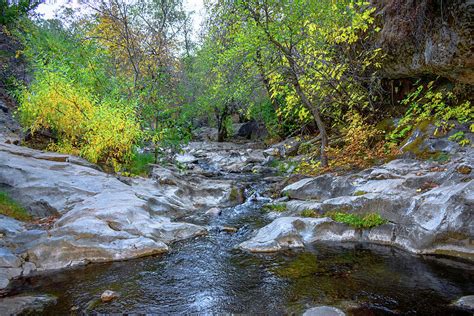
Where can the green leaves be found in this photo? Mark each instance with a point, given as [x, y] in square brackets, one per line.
[436, 105]
[73, 97]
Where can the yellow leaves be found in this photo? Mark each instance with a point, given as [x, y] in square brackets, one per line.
[96, 131]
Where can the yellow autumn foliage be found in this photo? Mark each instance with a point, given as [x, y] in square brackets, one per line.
[83, 125]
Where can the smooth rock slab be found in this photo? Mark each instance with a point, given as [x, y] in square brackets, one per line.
[465, 302]
[293, 232]
[102, 219]
[10, 226]
[25, 304]
[324, 311]
[428, 205]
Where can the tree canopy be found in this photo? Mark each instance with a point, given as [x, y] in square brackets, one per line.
[129, 74]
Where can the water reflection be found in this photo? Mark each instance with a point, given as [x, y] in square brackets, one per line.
[207, 275]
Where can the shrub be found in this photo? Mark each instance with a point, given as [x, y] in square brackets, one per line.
[427, 104]
[139, 165]
[361, 146]
[83, 124]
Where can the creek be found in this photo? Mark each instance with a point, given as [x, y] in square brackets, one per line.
[208, 275]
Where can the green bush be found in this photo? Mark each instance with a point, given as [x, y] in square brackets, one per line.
[139, 165]
[11, 11]
[74, 97]
[440, 106]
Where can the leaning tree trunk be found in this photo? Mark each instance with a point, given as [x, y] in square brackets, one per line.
[319, 123]
[314, 111]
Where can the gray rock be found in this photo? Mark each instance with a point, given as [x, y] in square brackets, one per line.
[286, 148]
[20, 304]
[225, 157]
[293, 232]
[7, 274]
[8, 259]
[108, 295]
[10, 266]
[10, 226]
[215, 211]
[322, 187]
[252, 130]
[465, 302]
[430, 44]
[428, 206]
[205, 134]
[324, 311]
[185, 158]
[103, 219]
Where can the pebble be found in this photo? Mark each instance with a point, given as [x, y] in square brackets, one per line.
[108, 296]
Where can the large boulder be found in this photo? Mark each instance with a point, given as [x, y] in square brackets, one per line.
[293, 232]
[101, 218]
[252, 130]
[286, 148]
[428, 207]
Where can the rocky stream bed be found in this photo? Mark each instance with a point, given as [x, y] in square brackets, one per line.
[198, 240]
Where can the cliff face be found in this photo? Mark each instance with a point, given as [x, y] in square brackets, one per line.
[427, 37]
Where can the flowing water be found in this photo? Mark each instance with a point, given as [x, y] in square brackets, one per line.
[208, 275]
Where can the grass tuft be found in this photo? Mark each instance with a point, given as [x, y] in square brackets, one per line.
[309, 213]
[367, 221]
[140, 164]
[9, 207]
[280, 208]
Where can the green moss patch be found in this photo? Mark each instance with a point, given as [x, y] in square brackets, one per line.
[357, 221]
[9, 207]
[309, 213]
[280, 208]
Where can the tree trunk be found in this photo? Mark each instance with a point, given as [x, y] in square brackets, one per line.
[221, 132]
[319, 122]
[314, 111]
[221, 117]
[266, 81]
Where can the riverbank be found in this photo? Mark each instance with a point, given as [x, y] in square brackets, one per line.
[205, 211]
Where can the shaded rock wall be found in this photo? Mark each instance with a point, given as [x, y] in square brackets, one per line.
[427, 37]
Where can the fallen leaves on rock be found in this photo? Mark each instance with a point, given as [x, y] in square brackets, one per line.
[428, 185]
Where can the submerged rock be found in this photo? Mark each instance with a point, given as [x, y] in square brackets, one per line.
[22, 304]
[108, 295]
[324, 311]
[465, 302]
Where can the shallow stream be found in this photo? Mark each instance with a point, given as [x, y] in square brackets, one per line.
[207, 275]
